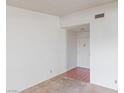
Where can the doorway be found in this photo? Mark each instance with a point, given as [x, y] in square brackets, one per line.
[78, 52]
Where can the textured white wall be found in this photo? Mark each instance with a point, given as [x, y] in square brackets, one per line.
[104, 49]
[35, 45]
[103, 42]
[71, 49]
[83, 49]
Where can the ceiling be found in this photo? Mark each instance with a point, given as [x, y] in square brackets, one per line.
[57, 7]
[84, 28]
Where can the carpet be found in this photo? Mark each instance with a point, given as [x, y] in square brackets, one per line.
[62, 84]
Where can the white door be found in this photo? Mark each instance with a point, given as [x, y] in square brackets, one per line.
[83, 43]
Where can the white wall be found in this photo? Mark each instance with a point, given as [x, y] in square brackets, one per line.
[103, 42]
[35, 45]
[71, 49]
[83, 49]
[77, 53]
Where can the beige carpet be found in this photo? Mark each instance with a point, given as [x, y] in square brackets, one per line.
[61, 84]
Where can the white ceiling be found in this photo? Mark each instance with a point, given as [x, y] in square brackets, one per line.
[84, 28]
[57, 7]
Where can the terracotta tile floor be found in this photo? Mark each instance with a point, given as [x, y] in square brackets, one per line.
[79, 73]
